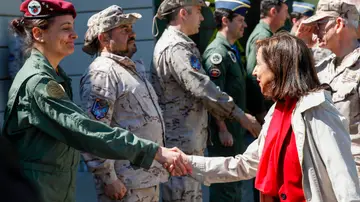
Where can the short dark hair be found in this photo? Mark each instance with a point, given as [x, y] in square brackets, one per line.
[266, 5]
[296, 15]
[23, 27]
[292, 64]
[174, 13]
[223, 12]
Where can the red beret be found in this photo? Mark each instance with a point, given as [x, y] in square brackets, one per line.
[46, 8]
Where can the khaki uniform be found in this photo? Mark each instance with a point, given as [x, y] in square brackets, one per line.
[344, 79]
[320, 54]
[186, 94]
[114, 93]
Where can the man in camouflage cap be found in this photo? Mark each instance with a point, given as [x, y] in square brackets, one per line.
[335, 24]
[113, 92]
[186, 93]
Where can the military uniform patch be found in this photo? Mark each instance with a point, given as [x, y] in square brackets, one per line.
[100, 108]
[195, 63]
[55, 90]
[232, 56]
[215, 58]
[215, 72]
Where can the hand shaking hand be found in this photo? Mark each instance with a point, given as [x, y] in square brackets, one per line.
[174, 160]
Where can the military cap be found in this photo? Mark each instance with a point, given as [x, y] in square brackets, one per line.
[103, 21]
[303, 8]
[334, 8]
[237, 6]
[38, 9]
[168, 6]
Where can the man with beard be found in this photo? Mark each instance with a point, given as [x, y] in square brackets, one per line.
[335, 25]
[139, 63]
[112, 91]
[186, 93]
[226, 70]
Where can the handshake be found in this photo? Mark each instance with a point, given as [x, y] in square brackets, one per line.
[174, 160]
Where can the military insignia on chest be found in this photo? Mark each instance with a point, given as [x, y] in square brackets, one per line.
[214, 72]
[216, 58]
[55, 90]
[232, 56]
[100, 108]
[195, 63]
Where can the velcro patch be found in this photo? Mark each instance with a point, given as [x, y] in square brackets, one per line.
[55, 90]
[232, 56]
[195, 63]
[100, 108]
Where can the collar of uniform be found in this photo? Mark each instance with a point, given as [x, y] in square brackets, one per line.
[46, 66]
[181, 35]
[349, 60]
[223, 40]
[123, 61]
[265, 26]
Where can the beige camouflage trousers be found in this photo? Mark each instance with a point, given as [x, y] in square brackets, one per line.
[185, 189]
[181, 189]
[150, 194]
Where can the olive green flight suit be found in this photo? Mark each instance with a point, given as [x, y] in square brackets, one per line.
[224, 69]
[48, 129]
[256, 103]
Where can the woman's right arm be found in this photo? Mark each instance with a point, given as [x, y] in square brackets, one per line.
[210, 170]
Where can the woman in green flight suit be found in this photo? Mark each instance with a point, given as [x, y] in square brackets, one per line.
[41, 121]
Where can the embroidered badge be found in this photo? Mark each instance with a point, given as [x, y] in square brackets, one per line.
[100, 108]
[34, 7]
[195, 63]
[55, 90]
[215, 58]
[215, 72]
[232, 56]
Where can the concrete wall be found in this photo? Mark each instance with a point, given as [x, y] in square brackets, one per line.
[8, 11]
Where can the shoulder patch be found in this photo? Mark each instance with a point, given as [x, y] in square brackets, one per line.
[232, 56]
[195, 63]
[55, 90]
[214, 72]
[100, 108]
[216, 58]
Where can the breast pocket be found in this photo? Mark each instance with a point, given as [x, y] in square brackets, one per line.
[129, 112]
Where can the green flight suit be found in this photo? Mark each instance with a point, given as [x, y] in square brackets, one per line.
[227, 72]
[256, 102]
[48, 129]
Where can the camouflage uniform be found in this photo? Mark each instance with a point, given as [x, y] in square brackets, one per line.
[320, 54]
[131, 103]
[342, 74]
[113, 92]
[186, 94]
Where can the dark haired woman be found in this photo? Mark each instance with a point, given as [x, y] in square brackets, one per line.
[303, 151]
[41, 121]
